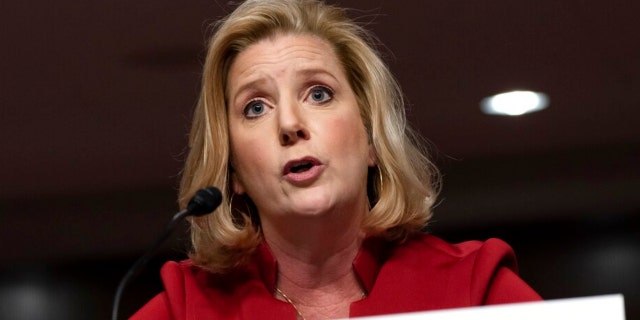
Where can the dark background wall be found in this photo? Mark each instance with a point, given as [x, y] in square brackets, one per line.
[96, 97]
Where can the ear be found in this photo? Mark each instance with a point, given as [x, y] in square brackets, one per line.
[373, 159]
[237, 185]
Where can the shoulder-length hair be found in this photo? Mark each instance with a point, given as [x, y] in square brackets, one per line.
[401, 189]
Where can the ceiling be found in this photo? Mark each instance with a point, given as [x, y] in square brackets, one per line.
[96, 98]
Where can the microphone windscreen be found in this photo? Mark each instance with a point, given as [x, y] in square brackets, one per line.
[204, 201]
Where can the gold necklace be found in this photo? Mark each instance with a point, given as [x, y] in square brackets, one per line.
[291, 303]
[288, 300]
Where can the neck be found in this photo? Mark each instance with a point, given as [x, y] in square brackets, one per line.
[312, 244]
[319, 288]
[315, 261]
[315, 247]
[318, 264]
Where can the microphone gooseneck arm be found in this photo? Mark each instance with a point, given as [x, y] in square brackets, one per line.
[203, 202]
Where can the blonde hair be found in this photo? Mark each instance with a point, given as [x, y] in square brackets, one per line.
[402, 188]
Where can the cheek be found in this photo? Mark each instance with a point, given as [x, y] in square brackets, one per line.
[349, 133]
[246, 161]
[239, 151]
[247, 154]
[347, 140]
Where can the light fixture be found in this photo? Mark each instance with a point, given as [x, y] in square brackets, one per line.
[514, 103]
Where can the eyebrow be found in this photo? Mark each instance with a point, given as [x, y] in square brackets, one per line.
[248, 87]
[304, 73]
[314, 71]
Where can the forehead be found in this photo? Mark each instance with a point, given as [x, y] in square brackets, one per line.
[283, 52]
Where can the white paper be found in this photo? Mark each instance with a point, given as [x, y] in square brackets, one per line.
[607, 307]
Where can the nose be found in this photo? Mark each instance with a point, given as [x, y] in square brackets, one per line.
[292, 124]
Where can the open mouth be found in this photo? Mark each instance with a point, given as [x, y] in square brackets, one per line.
[299, 166]
[302, 167]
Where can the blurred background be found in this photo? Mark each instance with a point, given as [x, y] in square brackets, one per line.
[96, 99]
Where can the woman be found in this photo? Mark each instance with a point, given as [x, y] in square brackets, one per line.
[326, 190]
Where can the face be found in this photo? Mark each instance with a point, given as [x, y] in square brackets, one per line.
[298, 143]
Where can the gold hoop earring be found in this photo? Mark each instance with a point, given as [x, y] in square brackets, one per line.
[241, 215]
[231, 203]
[380, 179]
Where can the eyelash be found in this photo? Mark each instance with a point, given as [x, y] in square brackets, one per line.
[250, 105]
[326, 90]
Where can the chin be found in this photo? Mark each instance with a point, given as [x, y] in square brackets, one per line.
[315, 205]
[311, 210]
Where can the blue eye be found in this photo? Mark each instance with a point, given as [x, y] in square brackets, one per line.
[320, 94]
[254, 109]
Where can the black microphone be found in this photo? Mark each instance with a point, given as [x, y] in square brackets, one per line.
[203, 202]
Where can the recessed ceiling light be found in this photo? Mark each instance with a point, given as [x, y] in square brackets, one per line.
[514, 103]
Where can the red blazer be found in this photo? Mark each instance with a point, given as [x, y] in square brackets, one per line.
[425, 273]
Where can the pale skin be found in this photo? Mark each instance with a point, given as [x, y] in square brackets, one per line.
[301, 153]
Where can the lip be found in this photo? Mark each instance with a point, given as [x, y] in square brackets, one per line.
[305, 176]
